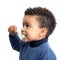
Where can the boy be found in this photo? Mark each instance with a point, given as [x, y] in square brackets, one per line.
[38, 24]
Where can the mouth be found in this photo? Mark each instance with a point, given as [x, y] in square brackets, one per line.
[23, 36]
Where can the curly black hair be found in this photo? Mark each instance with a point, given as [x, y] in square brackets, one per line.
[46, 18]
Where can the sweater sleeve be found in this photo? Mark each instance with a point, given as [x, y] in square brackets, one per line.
[15, 41]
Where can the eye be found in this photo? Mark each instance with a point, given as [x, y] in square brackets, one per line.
[27, 25]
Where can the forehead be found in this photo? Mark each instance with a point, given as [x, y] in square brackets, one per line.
[30, 19]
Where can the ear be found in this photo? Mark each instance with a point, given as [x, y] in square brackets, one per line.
[43, 32]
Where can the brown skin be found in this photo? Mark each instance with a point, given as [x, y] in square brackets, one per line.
[12, 29]
[30, 28]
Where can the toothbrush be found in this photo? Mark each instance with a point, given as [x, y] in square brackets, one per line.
[23, 36]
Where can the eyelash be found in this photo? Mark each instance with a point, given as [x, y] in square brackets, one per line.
[26, 25]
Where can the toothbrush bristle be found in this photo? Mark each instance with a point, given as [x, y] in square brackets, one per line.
[23, 36]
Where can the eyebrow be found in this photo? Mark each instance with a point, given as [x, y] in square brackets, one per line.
[26, 23]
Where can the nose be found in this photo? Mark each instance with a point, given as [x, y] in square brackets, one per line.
[23, 30]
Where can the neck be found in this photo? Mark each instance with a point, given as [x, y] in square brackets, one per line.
[37, 43]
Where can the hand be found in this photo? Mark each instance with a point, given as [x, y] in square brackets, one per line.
[12, 29]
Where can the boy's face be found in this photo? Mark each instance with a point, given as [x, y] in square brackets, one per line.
[31, 28]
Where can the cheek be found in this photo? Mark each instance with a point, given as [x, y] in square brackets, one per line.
[32, 35]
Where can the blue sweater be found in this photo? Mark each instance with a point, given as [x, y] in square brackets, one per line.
[41, 52]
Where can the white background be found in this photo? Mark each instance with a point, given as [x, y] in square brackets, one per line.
[12, 12]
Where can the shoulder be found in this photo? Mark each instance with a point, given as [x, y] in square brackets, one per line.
[46, 52]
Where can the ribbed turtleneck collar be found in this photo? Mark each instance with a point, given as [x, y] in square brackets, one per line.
[37, 43]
